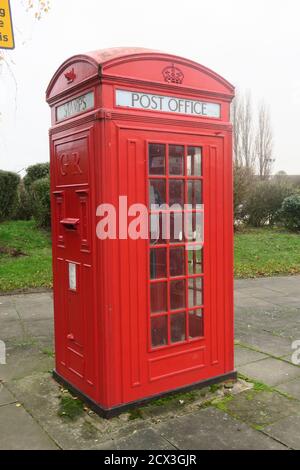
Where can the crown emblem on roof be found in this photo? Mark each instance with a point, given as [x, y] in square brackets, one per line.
[172, 74]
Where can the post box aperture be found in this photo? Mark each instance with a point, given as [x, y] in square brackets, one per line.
[141, 197]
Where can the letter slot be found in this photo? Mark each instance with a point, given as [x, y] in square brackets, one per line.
[70, 223]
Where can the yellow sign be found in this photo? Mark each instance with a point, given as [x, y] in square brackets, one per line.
[6, 28]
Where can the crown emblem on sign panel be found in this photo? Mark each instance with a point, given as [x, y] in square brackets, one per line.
[70, 75]
[172, 74]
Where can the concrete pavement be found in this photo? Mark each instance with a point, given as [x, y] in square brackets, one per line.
[262, 411]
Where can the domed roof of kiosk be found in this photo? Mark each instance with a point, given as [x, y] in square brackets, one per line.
[102, 56]
[103, 59]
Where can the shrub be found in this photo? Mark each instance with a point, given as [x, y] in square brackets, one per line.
[264, 202]
[9, 183]
[242, 182]
[40, 192]
[24, 204]
[35, 172]
[37, 193]
[290, 212]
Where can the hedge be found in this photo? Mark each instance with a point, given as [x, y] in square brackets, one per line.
[35, 172]
[24, 204]
[9, 183]
[40, 191]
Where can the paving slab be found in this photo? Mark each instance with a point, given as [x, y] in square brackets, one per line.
[287, 285]
[36, 327]
[292, 388]
[7, 312]
[29, 306]
[271, 371]
[260, 292]
[248, 301]
[287, 431]
[45, 342]
[212, 429]
[19, 431]
[281, 300]
[29, 299]
[6, 398]
[41, 396]
[279, 321]
[261, 408]
[146, 439]
[11, 329]
[289, 358]
[244, 356]
[35, 306]
[42, 310]
[284, 284]
[265, 342]
[23, 359]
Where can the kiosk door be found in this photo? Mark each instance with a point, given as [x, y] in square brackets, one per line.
[71, 160]
[173, 330]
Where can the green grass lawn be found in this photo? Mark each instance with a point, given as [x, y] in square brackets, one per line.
[31, 267]
[25, 254]
[266, 252]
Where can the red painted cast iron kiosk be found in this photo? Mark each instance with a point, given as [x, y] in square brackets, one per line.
[138, 318]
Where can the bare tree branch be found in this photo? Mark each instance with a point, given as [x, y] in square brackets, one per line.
[264, 142]
[247, 131]
[242, 118]
[236, 121]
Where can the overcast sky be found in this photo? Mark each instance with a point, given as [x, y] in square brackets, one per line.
[254, 44]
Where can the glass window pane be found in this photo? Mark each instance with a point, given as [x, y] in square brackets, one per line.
[196, 323]
[195, 260]
[158, 263]
[158, 294]
[159, 331]
[157, 191]
[177, 261]
[157, 159]
[194, 163]
[176, 159]
[195, 292]
[177, 294]
[177, 327]
[194, 192]
[176, 227]
[194, 226]
[157, 229]
[176, 192]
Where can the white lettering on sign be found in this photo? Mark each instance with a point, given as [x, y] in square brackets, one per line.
[169, 104]
[77, 105]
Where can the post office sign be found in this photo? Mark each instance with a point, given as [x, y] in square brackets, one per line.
[169, 104]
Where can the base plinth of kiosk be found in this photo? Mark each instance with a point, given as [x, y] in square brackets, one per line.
[111, 412]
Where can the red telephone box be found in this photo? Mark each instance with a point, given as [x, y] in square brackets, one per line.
[137, 317]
